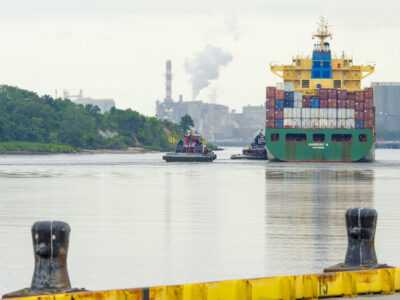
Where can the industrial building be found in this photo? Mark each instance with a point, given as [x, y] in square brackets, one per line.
[104, 104]
[216, 122]
[387, 103]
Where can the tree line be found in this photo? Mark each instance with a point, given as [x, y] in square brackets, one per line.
[25, 116]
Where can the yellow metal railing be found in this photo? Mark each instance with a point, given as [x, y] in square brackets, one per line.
[340, 284]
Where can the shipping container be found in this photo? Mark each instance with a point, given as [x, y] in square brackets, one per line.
[360, 96]
[368, 114]
[270, 123]
[278, 113]
[368, 93]
[341, 123]
[289, 86]
[289, 96]
[323, 113]
[289, 103]
[314, 103]
[314, 113]
[324, 94]
[279, 104]
[314, 123]
[306, 113]
[359, 115]
[323, 103]
[350, 103]
[287, 123]
[280, 94]
[359, 124]
[341, 113]
[332, 123]
[368, 103]
[342, 94]
[270, 112]
[296, 123]
[270, 103]
[341, 103]
[296, 113]
[298, 96]
[350, 113]
[350, 123]
[306, 101]
[332, 103]
[359, 105]
[298, 104]
[351, 95]
[323, 123]
[271, 92]
[306, 123]
[288, 113]
[280, 86]
[332, 93]
[368, 124]
[278, 123]
[332, 113]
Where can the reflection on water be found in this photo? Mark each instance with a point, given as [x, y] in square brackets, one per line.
[138, 221]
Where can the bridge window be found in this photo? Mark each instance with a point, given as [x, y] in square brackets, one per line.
[342, 137]
[337, 84]
[326, 64]
[305, 83]
[326, 74]
[362, 138]
[316, 64]
[318, 137]
[316, 74]
[295, 137]
[299, 63]
[275, 137]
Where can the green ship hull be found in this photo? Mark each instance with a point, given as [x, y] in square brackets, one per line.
[298, 145]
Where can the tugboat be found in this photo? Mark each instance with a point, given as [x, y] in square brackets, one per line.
[255, 151]
[190, 149]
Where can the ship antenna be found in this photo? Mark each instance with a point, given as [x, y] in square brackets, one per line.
[322, 31]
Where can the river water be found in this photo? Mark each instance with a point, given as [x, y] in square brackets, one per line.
[137, 221]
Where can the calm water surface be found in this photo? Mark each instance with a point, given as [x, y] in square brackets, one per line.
[138, 221]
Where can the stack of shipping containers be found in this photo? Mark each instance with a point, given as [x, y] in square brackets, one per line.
[330, 109]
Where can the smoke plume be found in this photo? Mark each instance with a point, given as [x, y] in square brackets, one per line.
[205, 66]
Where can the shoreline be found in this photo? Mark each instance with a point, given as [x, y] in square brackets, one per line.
[130, 150]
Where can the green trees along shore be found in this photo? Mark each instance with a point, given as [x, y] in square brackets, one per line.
[58, 125]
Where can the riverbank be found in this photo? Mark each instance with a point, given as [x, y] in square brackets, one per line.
[31, 148]
[129, 150]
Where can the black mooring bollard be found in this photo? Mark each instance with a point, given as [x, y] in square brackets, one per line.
[50, 248]
[361, 225]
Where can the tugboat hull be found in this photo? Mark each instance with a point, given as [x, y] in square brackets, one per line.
[189, 157]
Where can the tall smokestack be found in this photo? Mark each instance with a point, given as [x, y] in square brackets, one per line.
[168, 80]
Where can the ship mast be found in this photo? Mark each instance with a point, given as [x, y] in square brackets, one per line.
[322, 32]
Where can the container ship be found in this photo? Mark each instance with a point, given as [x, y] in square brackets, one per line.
[320, 112]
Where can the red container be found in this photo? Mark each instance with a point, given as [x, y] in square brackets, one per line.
[288, 126]
[271, 92]
[279, 114]
[350, 103]
[368, 124]
[323, 93]
[369, 93]
[270, 113]
[307, 101]
[359, 105]
[341, 103]
[270, 123]
[360, 96]
[368, 103]
[270, 103]
[359, 115]
[368, 114]
[332, 103]
[342, 94]
[279, 94]
[323, 103]
[333, 93]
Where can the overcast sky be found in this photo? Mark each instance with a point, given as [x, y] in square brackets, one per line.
[117, 48]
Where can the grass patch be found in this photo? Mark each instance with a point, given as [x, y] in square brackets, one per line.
[153, 147]
[35, 147]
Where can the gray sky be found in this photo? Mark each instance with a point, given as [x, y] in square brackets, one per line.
[117, 48]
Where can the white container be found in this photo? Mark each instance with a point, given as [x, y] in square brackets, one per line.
[332, 113]
[306, 113]
[332, 123]
[314, 123]
[314, 113]
[350, 113]
[287, 123]
[350, 123]
[288, 113]
[341, 113]
[323, 113]
[323, 123]
[298, 104]
[289, 87]
[297, 123]
[280, 86]
[305, 123]
[296, 113]
[298, 96]
[341, 123]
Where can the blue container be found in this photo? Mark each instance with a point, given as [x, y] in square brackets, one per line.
[314, 103]
[289, 103]
[279, 104]
[359, 124]
[289, 96]
[279, 123]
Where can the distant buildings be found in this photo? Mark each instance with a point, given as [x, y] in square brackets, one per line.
[387, 105]
[103, 104]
